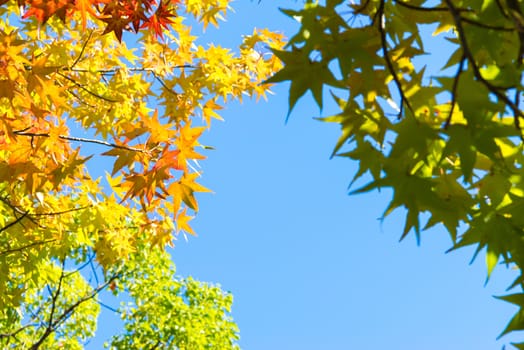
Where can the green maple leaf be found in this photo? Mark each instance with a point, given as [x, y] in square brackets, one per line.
[304, 75]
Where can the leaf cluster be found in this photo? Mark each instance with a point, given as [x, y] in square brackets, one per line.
[75, 99]
[446, 139]
[119, 16]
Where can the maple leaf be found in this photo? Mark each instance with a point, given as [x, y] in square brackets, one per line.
[86, 7]
[158, 132]
[125, 158]
[161, 19]
[186, 143]
[167, 160]
[42, 10]
[136, 14]
[39, 66]
[183, 191]
[115, 25]
[182, 221]
[54, 76]
[209, 111]
[68, 168]
[7, 89]
[304, 74]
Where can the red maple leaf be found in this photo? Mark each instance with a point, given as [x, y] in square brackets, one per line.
[116, 25]
[135, 11]
[45, 9]
[161, 19]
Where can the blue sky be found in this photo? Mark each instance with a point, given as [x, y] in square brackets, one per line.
[309, 266]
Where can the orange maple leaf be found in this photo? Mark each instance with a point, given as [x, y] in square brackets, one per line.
[45, 9]
[182, 221]
[158, 132]
[86, 7]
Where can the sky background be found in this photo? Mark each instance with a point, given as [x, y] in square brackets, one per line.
[309, 266]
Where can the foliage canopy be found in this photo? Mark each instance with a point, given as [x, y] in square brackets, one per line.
[73, 90]
[445, 136]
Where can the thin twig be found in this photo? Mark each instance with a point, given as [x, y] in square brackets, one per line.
[19, 249]
[14, 333]
[164, 84]
[19, 211]
[69, 311]
[54, 299]
[487, 26]
[389, 64]
[82, 139]
[66, 211]
[157, 344]
[81, 267]
[86, 89]
[14, 222]
[93, 269]
[361, 8]
[117, 69]
[516, 15]
[82, 50]
[421, 8]
[476, 71]
[501, 8]
[80, 100]
[454, 90]
[108, 307]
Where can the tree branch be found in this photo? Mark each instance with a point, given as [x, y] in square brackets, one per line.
[82, 50]
[54, 322]
[516, 15]
[108, 307]
[66, 211]
[14, 333]
[115, 70]
[476, 71]
[389, 63]
[420, 8]
[361, 8]
[14, 222]
[82, 139]
[87, 90]
[19, 249]
[50, 323]
[454, 91]
[487, 26]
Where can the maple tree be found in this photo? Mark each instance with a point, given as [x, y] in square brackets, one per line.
[446, 135]
[74, 93]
